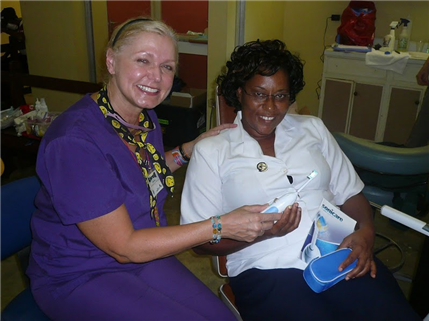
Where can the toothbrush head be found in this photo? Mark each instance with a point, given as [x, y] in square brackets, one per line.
[312, 175]
[321, 224]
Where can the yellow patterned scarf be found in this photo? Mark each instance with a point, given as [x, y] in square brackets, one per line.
[152, 156]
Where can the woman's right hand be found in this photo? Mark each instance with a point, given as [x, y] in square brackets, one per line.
[246, 223]
[289, 221]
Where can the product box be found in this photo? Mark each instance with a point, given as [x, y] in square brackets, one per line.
[189, 98]
[329, 229]
[320, 249]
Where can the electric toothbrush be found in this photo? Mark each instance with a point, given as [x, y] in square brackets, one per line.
[311, 251]
[280, 204]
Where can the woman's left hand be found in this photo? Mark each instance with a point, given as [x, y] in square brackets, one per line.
[361, 242]
[189, 146]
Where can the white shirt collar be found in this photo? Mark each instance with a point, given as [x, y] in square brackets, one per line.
[242, 142]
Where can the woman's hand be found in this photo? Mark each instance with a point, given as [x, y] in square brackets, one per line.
[288, 222]
[423, 75]
[247, 223]
[361, 242]
[189, 146]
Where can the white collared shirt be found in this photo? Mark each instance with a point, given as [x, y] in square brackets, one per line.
[223, 175]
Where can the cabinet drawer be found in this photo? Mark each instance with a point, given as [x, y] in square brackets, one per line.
[353, 68]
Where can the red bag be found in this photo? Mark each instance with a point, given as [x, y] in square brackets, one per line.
[357, 24]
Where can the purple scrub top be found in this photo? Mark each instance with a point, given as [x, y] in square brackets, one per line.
[86, 171]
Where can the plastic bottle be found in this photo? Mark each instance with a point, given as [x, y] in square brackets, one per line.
[404, 36]
[389, 40]
[43, 105]
[37, 105]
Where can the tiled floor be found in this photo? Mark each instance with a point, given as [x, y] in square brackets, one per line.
[409, 241]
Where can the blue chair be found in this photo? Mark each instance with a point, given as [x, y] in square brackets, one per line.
[17, 206]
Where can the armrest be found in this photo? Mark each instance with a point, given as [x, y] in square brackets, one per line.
[407, 220]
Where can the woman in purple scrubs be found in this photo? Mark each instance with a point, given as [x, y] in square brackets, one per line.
[101, 247]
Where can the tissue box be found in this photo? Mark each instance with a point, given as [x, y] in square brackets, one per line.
[189, 98]
[322, 273]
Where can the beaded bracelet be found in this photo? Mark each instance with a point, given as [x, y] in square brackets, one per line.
[177, 157]
[217, 229]
[185, 157]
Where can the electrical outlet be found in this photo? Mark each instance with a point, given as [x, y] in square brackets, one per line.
[335, 17]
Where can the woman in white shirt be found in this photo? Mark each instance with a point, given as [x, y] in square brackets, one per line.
[271, 152]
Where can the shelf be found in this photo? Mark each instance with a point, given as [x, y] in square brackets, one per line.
[192, 44]
[192, 48]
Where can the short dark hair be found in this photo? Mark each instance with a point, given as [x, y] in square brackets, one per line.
[259, 58]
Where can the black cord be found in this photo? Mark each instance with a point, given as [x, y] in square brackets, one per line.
[318, 88]
[322, 57]
[209, 125]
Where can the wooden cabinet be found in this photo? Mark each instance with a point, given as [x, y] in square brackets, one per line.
[336, 96]
[347, 107]
[403, 107]
[366, 102]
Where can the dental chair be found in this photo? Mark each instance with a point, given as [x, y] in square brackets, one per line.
[393, 176]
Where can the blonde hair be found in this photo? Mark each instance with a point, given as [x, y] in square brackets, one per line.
[125, 32]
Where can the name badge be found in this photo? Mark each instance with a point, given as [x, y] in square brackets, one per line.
[155, 184]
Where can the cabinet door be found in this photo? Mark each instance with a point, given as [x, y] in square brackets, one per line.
[336, 104]
[402, 114]
[365, 110]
